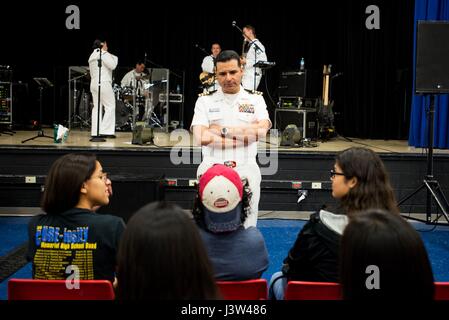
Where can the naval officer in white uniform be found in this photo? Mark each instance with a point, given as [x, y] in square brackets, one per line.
[228, 123]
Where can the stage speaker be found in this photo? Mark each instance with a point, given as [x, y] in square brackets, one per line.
[306, 83]
[432, 57]
[142, 134]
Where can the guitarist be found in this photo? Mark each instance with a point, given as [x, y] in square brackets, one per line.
[207, 77]
[253, 51]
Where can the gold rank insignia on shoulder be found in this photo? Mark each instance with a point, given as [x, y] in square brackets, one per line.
[254, 92]
[207, 93]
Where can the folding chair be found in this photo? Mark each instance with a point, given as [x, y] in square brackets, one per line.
[244, 290]
[29, 289]
[305, 290]
[441, 291]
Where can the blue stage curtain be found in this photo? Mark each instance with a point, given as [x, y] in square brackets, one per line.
[429, 10]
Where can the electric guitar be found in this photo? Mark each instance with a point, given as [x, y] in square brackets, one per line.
[207, 79]
[324, 109]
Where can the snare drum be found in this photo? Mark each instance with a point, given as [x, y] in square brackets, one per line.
[127, 93]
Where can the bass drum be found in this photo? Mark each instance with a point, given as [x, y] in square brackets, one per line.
[123, 116]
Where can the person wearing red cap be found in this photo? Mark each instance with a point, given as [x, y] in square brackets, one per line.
[228, 123]
[220, 209]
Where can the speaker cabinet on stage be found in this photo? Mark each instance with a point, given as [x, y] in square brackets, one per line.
[302, 118]
[306, 83]
[432, 57]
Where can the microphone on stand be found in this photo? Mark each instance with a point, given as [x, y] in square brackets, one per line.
[337, 75]
[201, 48]
[234, 23]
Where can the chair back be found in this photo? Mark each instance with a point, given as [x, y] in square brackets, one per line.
[305, 290]
[30, 289]
[441, 291]
[244, 290]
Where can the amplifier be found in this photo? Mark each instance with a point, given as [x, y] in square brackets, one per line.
[296, 103]
[290, 102]
[306, 83]
[5, 103]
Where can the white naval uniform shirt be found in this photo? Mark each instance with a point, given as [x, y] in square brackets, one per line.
[240, 109]
[251, 58]
[108, 63]
[208, 64]
[130, 78]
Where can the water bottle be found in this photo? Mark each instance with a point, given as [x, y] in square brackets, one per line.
[301, 65]
[178, 89]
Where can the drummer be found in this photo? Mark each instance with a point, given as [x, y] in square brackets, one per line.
[136, 78]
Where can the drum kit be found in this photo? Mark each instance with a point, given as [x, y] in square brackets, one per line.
[134, 104]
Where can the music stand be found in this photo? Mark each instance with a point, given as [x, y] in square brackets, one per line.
[43, 83]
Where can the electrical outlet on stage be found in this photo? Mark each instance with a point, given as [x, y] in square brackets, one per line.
[30, 179]
[316, 185]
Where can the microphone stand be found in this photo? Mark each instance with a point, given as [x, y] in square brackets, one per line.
[256, 47]
[205, 87]
[202, 49]
[97, 138]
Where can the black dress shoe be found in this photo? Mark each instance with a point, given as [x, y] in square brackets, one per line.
[110, 136]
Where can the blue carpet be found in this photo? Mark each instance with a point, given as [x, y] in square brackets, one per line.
[23, 273]
[281, 234]
[437, 246]
[279, 237]
[13, 232]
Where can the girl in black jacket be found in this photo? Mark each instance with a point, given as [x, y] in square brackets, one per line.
[359, 181]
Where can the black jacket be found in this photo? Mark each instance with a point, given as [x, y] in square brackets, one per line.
[314, 256]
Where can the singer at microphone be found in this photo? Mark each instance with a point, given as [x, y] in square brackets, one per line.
[103, 123]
